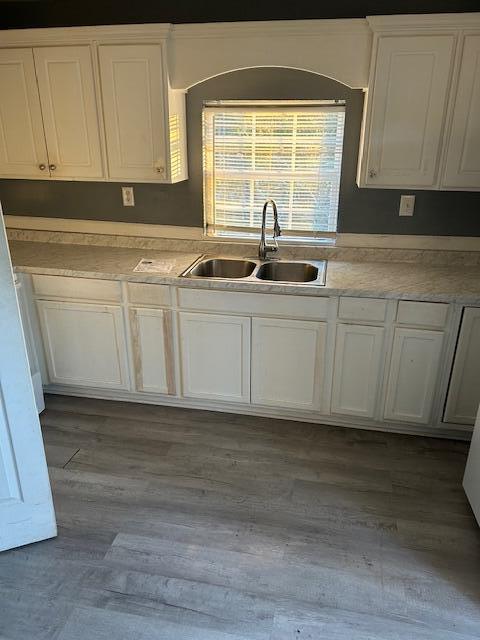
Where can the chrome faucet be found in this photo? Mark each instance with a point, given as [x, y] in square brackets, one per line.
[263, 247]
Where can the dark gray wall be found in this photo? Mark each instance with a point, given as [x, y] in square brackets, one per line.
[54, 13]
[360, 210]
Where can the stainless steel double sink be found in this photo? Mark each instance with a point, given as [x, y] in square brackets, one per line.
[308, 272]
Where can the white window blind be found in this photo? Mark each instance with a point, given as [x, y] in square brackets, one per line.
[292, 154]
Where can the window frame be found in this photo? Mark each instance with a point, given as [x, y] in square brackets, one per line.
[211, 230]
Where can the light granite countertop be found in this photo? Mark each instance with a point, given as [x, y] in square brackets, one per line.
[370, 279]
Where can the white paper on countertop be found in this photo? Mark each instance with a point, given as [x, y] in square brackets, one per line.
[155, 266]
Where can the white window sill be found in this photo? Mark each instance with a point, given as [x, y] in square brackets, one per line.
[283, 241]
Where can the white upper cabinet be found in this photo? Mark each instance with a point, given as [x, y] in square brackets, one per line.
[48, 114]
[143, 117]
[406, 111]
[462, 167]
[23, 152]
[70, 118]
[85, 105]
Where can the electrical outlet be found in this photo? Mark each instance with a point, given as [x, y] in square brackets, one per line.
[407, 205]
[127, 197]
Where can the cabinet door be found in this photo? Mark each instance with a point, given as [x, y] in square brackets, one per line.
[215, 356]
[413, 375]
[357, 370]
[84, 344]
[464, 391]
[463, 153]
[152, 350]
[287, 362]
[23, 152]
[134, 111]
[67, 94]
[409, 95]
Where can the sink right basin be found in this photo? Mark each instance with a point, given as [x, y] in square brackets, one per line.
[288, 272]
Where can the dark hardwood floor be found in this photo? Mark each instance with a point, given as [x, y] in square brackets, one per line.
[177, 524]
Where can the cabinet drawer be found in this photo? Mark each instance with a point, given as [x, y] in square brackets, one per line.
[253, 303]
[76, 288]
[426, 314]
[157, 295]
[362, 309]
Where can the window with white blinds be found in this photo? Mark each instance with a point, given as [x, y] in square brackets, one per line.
[292, 154]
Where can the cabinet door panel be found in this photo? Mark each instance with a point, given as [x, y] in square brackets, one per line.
[356, 376]
[413, 375]
[152, 350]
[287, 362]
[22, 141]
[84, 344]
[215, 356]
[410, 89]
[464, 391]
[463, 154]
[134, 111]
[67, 94]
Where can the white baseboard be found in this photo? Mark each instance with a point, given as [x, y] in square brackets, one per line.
[454, 432]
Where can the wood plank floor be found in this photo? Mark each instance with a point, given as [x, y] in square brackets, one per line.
[177, 524]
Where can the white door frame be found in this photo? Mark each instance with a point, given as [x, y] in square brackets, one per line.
[471, 479]
[26, 507]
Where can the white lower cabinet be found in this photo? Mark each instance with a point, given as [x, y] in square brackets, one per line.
[287, 362]
[215, 356]
[152, 345]
[413, 375]
[84, 344]
[464, 392]
[342, 367]
[357, 370]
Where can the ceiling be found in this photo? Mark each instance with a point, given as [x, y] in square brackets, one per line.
[56, 13]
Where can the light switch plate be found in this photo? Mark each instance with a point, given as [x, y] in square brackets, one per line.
[407, 205]
[128, 197]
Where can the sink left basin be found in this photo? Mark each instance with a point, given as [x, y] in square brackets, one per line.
[221, 268]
